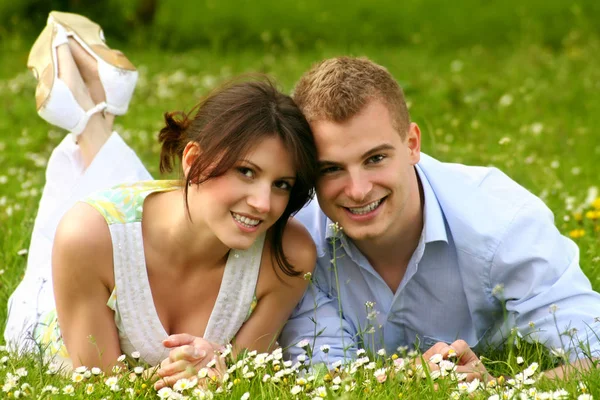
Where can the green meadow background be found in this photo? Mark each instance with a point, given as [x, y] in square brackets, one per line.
[512, 84]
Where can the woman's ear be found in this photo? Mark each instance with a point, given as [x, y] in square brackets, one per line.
[190, 153]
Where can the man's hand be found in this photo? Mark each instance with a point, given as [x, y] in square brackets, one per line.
[460, 354]
[189, 354]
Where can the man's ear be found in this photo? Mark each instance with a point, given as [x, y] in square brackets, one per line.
[190, 153]
[413, 143]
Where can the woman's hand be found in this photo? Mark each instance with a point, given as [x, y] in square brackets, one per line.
[188, 355]
[465, 359]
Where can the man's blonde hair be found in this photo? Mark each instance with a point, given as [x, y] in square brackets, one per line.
[336, 89]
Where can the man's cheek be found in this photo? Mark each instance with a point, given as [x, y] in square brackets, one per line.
[326, 196]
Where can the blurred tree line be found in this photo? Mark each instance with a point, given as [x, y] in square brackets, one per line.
[301, 24]
[27, 17]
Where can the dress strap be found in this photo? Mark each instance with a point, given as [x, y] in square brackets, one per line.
[236, 293]
[140, 328]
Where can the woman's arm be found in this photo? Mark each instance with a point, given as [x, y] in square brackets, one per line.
[82, 273]
[282, 292]
[189, 354]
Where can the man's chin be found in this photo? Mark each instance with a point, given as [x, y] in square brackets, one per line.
[363, 236]
[357, 232]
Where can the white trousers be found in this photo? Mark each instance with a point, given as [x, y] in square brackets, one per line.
[66, 183]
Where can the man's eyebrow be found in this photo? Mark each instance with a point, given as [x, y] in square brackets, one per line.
[374, 150]
[377, 149]
[326, 163]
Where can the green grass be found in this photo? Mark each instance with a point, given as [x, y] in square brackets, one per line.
[531, 110]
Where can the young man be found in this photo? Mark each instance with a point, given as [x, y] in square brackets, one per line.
[423, 252]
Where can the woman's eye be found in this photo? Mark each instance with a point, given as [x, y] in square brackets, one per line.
[247, 172]
[283, 185]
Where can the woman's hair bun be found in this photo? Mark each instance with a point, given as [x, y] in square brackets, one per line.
[172, 139]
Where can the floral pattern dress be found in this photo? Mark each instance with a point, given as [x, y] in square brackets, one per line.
[122, 206]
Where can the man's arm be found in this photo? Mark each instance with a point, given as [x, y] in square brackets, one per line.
[546, 294]
[317, 320]
[317, 317]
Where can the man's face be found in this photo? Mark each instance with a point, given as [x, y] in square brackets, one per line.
[367, 175]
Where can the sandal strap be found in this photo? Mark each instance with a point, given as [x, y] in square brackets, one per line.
[86, 117]
[118, 84]
[60, 36]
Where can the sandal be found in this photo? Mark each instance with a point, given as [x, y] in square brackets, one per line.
[54, 101]
[117, 74]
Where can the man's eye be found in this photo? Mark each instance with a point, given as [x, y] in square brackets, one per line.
[247, 172]
[375, 159]
[329, 170]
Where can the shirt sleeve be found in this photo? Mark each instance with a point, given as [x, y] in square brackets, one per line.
[536, 273]
[316, 320]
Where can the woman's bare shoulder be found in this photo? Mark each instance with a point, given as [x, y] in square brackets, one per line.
[82, 241]
[299, 247]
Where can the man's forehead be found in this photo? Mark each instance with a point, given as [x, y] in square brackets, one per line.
[349, 151]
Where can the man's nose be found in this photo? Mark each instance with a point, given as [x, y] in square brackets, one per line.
[359, 186]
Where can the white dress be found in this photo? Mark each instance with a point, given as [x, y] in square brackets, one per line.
[31, 308]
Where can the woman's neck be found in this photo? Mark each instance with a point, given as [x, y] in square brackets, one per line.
[175, 237]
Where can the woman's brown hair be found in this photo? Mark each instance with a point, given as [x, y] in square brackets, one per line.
[227, 125]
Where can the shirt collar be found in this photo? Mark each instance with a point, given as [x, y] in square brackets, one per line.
[434, 225]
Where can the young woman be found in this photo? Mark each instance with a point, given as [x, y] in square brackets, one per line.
[212, 255]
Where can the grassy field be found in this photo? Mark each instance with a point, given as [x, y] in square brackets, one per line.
[531, 110]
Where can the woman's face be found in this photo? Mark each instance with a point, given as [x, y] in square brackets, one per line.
[249, 198]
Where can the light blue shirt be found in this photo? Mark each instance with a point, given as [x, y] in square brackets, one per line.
[489, 259]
